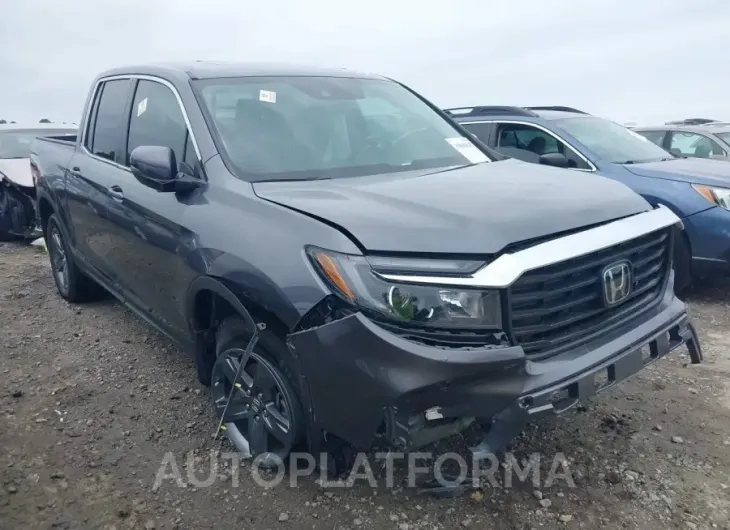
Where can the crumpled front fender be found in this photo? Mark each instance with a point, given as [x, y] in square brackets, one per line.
[355, 369]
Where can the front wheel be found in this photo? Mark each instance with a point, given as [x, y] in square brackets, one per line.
[264, 417]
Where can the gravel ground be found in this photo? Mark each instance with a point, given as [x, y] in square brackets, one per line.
[92, 399]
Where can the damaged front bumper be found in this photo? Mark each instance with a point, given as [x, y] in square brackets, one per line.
[18, 216]
[365, 381]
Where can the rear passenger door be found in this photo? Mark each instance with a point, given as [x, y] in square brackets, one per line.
[150, 239]
[93, 170]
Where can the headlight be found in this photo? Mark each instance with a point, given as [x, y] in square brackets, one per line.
[719, 196]
[353, 279]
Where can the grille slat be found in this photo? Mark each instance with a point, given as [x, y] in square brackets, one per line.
[561, 306]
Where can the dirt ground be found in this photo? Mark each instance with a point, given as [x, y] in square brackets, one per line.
[92, 399]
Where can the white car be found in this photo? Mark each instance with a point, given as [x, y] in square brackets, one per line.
[17, 189]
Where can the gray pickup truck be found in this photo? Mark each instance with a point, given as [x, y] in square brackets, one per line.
[402, 279]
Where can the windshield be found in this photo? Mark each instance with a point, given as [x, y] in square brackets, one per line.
[16, 144]
[725, 137]
[306, 128]
[612, 142]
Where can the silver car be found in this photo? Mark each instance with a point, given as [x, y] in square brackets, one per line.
[17, 189]
[707, 140]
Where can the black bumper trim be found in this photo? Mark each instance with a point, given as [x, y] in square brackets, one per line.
[566, 394]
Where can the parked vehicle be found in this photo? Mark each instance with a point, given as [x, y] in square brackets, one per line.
[698, 191]
[692, 121]
[710, 140]
[409, 279]
[17, 191]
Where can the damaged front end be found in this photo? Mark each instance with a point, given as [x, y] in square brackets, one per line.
[412, 358]
[368, 382]
[18, 217]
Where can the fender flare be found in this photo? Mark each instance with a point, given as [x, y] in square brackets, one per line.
[212, 284]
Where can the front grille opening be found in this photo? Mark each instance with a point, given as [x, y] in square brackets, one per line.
[448, 339]
[561, 306]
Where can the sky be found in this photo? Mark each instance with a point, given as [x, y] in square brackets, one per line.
[643, 61]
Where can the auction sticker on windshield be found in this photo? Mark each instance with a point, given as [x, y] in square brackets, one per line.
[468, 150]
[268, 96]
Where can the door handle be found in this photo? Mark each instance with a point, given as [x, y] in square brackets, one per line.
[115, 192]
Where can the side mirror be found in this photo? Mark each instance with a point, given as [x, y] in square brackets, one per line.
[554, 159]
[155, 166]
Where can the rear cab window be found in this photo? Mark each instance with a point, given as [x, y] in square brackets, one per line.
[107, 123]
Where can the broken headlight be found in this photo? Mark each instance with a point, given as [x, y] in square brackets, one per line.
[353, 279]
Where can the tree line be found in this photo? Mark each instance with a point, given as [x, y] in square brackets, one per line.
[43, 120]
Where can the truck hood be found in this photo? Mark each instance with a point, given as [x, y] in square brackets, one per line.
[17, 170]
[693, 170]
[478, 209]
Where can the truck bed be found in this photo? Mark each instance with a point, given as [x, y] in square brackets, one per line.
[50, 153]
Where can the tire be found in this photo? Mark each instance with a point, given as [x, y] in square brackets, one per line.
[72, 284]
[682, 264]
[232, 337]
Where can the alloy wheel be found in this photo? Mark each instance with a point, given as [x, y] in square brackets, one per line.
[59, 260]
[260, 416]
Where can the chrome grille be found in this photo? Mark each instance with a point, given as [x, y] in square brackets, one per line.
[562, 306]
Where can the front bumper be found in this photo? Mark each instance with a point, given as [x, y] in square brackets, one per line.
[363, 379]
[708, 233]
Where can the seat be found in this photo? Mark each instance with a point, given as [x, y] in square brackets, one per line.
[265, 143]
[537, 145]
[702, 150]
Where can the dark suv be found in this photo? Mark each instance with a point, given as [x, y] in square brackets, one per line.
[404, 279]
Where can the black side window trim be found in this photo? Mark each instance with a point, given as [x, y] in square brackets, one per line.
[91, 123]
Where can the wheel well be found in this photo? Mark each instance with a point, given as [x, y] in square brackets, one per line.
[45, 210]
[211, 308]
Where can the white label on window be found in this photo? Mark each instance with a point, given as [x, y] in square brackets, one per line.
[267, 95]
[472, 153]
[141, 107]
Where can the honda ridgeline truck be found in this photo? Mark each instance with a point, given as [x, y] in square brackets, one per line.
[404, 280]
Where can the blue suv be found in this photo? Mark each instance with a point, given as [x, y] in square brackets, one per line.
[697, 190]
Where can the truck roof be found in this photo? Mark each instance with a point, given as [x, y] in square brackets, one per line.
[217, 69]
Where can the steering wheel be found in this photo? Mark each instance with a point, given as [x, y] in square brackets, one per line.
[374, 142]
[407, 135]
